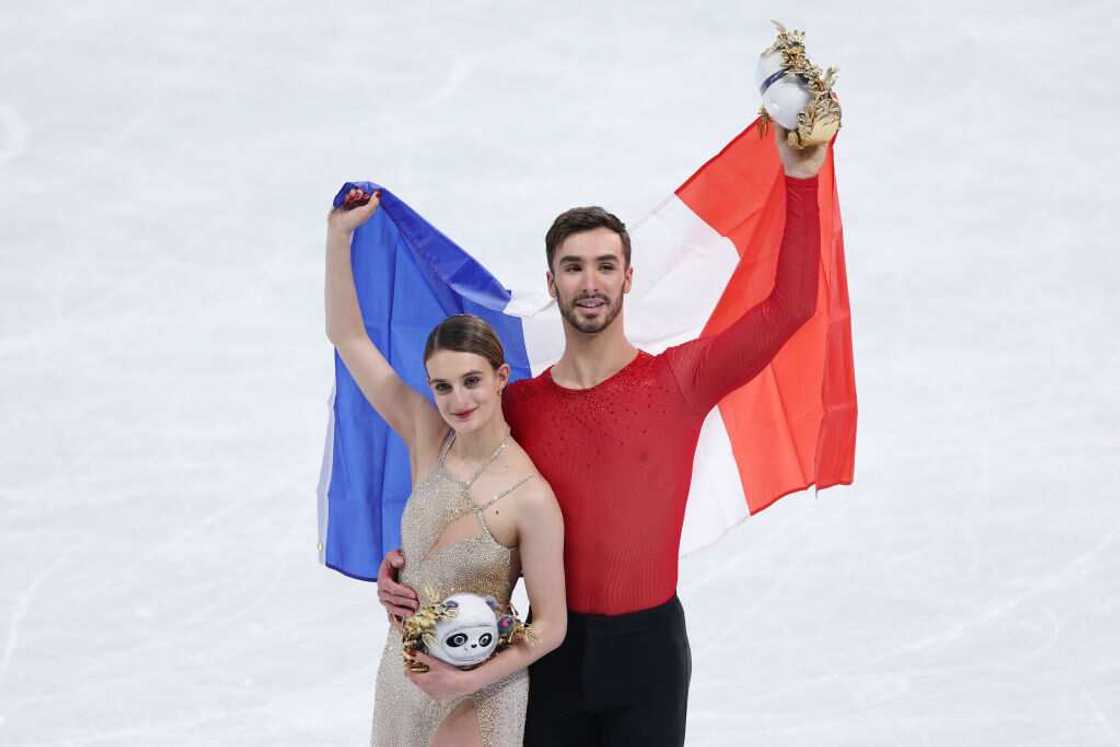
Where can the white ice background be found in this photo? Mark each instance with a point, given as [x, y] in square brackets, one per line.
[165, 171]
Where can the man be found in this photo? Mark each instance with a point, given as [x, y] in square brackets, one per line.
[614, 430]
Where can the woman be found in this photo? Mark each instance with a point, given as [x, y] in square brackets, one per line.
[479, 515]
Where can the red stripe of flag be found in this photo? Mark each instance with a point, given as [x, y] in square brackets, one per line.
[794, 425]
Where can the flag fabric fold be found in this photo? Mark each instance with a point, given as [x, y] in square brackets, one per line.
[702, 257]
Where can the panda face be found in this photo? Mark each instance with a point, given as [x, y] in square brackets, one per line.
[469, 645]
[462, 640]
[468, 636]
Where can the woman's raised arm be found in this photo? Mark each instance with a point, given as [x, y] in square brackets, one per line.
[406, 411]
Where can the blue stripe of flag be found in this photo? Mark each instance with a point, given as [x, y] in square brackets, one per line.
[409, 277]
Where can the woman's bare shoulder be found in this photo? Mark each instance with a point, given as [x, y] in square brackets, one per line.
[536, 487]
[519, 459]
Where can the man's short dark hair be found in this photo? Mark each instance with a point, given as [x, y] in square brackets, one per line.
[580, 219]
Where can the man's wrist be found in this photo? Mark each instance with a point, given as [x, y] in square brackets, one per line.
[801, 182]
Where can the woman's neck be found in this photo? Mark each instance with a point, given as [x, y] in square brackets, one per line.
[479, 444]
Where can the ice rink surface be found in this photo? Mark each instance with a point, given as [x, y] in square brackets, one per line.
[164, 176]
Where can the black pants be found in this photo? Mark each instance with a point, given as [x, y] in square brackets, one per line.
[616, 680]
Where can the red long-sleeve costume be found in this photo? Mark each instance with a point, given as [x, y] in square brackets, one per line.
[619, 455]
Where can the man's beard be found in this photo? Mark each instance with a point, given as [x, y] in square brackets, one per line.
[591, 326]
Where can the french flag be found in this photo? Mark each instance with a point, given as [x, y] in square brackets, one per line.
[704, 256]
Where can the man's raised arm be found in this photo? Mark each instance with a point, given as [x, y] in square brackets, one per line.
[711, 368]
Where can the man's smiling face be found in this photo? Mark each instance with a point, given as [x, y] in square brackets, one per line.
[589, 277]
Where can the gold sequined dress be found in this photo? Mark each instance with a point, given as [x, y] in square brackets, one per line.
[448, 549]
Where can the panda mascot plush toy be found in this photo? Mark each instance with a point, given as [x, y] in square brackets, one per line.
[464, 630]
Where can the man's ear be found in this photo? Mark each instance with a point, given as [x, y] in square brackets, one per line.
[550, 279]
[629, 279]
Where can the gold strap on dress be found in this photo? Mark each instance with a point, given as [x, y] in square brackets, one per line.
[502, 494]
[446, 447]
[479, 511]
[487, 463]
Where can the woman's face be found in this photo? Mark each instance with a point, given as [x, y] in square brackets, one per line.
[467, 389]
